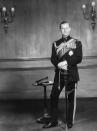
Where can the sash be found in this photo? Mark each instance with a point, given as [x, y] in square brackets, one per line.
[64, 47]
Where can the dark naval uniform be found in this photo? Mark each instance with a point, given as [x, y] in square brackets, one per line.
[73, 77]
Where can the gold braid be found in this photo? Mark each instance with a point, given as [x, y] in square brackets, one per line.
[64, 47]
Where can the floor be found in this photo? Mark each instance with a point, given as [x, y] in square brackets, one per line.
[21, 115]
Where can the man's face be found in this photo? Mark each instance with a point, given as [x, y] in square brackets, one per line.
[65, 29]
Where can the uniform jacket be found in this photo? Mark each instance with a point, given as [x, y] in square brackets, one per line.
[72, 60]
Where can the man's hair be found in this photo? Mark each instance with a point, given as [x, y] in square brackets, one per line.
[63, 22]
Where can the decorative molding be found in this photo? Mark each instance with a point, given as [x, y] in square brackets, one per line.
[36, 59]
[24, 59]
[30, 64]
[42, 68]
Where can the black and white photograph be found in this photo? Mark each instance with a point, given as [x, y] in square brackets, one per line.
[48, 65]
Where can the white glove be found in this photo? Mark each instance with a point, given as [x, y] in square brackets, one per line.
[63, 65]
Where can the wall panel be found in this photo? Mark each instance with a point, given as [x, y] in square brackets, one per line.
[36, 26]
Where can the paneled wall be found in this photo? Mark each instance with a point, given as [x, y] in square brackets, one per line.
[30, 36]
[36, 26]
[17, 77]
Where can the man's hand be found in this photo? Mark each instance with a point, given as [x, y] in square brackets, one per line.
[63, 65]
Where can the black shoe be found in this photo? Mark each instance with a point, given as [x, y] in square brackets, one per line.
[69, 125]
[50, 124]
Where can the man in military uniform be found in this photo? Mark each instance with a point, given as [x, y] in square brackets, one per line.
[66, 54]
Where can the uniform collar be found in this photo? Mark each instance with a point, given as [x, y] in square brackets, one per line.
[66, 38]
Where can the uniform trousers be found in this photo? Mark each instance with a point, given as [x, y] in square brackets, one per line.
[59, 84]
